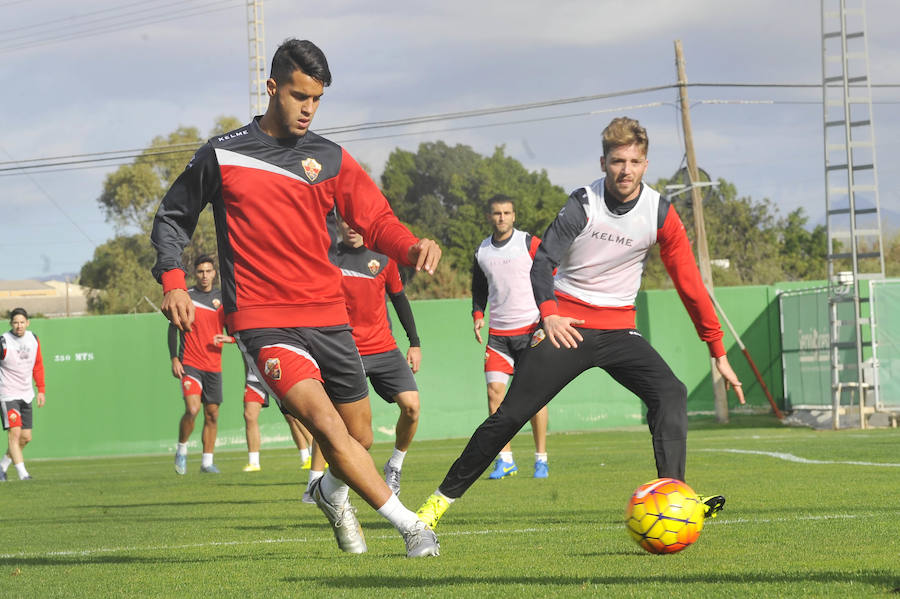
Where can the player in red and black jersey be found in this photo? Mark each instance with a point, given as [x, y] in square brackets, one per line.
[271, 185]
[367, 277]
[197, 362]
[599, 242]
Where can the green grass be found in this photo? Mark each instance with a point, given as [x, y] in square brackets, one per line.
[130, 527]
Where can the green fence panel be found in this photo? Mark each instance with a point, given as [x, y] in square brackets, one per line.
[805, 348]
[885, 304]
[110, 390]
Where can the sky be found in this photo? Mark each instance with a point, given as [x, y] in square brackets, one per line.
[100, 76]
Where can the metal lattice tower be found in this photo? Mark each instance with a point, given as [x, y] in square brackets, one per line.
[851, 194]
[256, 38]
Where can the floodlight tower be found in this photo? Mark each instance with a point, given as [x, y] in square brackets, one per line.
[851, 195]
[256, 38]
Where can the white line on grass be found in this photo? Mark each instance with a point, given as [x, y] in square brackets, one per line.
[461, 533]
[151, 548]
[792, 458]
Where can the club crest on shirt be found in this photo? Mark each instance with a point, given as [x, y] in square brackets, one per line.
[216, 303]
[374, 265]
[273, 369]
[537, 337]
[311, 167]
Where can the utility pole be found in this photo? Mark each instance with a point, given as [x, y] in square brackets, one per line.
[257, 47]
[719, 393]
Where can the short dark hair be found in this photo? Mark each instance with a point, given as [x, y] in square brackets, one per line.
[16, 311]
[303, 55]
[501, 198]
[203, 259]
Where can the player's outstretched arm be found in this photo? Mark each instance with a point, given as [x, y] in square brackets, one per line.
[179, 309]
[730, 377]
[425, 254]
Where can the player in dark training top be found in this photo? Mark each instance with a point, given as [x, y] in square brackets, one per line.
[271, 185]
[367, 277]
[197, 362]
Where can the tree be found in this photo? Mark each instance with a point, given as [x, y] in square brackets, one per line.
[119, 273]
[758, 246]
[442, 192]
[892, 256]
[119, 276]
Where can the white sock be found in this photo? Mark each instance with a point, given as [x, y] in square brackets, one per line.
[20, 468]
[506, 456]
[253, 457]
[540, 457]
[314, 475]
[334, 490]
[304, 454]
[449, 499]
[397, 514]
[5, 462]
[181, 449]
[396, 460]
[206, 460]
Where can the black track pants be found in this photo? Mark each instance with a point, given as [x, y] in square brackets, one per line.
[544, 371]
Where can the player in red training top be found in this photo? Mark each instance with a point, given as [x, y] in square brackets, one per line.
[20, 362]
[599, 242]
[271, 185]
[500, 278]
[197, 362]
[367, 277]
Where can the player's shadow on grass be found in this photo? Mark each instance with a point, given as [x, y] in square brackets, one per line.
[177, 504]
[877, 578]
[76, 560]
[298, 484]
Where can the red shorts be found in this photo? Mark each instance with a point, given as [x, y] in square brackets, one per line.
[284, 357]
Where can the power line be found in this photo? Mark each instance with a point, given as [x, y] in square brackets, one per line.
[55, 203]
[120, 157]
[70, 19]
[171, 15]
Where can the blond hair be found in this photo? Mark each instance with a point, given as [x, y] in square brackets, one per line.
[623, 131]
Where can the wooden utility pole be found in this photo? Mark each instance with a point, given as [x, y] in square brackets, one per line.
[719, 393]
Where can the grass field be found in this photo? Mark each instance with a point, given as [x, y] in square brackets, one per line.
[809, 513]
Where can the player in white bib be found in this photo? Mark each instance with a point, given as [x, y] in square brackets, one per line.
[500, 279]
[599, 242]
[20, 362]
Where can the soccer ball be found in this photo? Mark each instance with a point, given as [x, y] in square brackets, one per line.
[664, 516]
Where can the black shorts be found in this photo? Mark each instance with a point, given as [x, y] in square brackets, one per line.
[389, 373]
[284, 357]
[502, 354]
[16, 412]
[209, 383]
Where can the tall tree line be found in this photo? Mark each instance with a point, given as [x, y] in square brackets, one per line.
[441, 192]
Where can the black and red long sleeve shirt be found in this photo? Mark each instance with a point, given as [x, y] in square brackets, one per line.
[270, 198]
